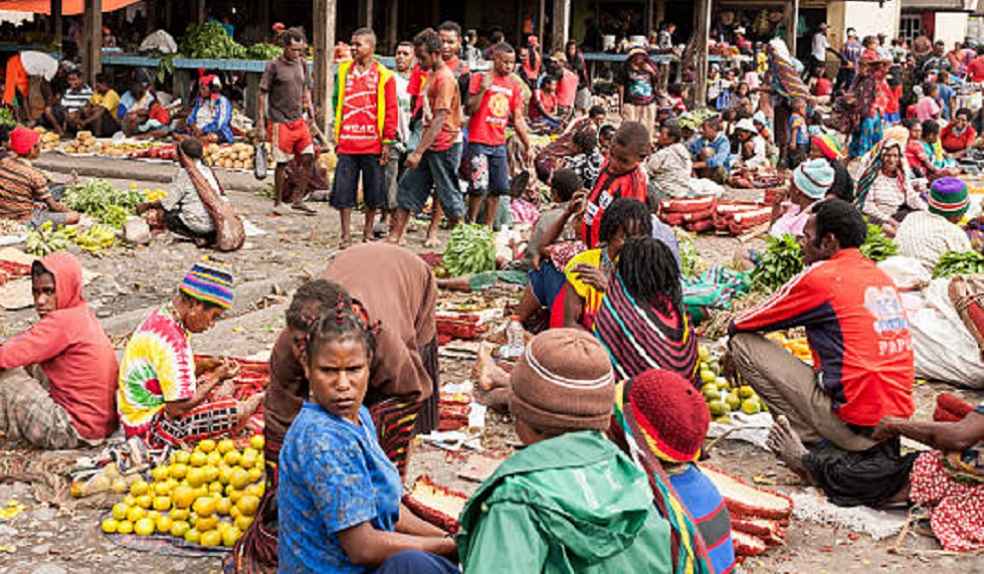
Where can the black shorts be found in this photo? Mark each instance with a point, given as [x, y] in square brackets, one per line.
[345, 186]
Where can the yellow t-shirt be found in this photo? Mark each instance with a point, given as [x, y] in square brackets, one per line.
[110, 100]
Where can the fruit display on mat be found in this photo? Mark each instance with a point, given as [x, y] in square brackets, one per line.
[207, 496]
[797, 346]
[722, 396]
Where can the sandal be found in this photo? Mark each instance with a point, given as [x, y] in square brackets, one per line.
[303, 208]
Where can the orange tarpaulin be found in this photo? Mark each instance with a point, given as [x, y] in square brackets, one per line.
[69, 7]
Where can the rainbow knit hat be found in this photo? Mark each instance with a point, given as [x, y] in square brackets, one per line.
[949, 197]
[209, 283]
[828, 146]
[671, 413]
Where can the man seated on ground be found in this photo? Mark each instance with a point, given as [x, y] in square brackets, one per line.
[25, 196]
[139, 111]
[927, 235]
[553, 156]
[65, 116]
[182, 210]
[711, 152]
[751, 147]
[99, 114]
[863, 363]
[211, 117]
[544, 108]
[64, 396]
[563, 391]
[670, 167]
[162, 396]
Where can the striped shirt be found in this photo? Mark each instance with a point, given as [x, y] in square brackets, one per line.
[75, 100]
[926, 236]
[21, 186]
[711, 516]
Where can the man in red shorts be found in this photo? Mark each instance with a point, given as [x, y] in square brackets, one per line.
[286, 86]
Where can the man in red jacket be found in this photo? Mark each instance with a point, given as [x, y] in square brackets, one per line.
[858, 333]
[64, 397]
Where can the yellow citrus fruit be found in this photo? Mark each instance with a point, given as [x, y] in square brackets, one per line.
[164, 524]
[145, 501]
[135, 513]
[745, 391]
[214, 458]
[255, 474]
[162, 488]
[139, 487]
[248, 504]
[243, 522]
[257, 441]
[204, 506]
[206, 446]
[201, 491]
[223, 505]
[119, 511]
[130, 500]
[179, 528]
[225, 473]
[179, 514]
[231, 458]
[124, 527]
[211, 473]
[239, 478]
[247, 462]
[256, 489]
[171, 484]
[153, 515]
[206, 523]
[162, 503]
[144, 527]
[235, 495]
[182, 456]
[260, 460]
[210, 538]
[178, 470]
[119, 486]
[225, 445]
[196, 477]
[109, 525]
[215, 488]
[251, 452]
[159, 473]
[193, 536]
[234, 512]
[183, 496]
[198, 458]
[230, 536]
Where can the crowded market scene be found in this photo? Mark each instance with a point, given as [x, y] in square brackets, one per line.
[558, 286]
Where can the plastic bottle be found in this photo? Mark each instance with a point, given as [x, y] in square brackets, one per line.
[515, 342]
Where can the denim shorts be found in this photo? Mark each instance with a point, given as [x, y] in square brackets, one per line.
[437, 170]
[346, 183]
[488, 170]
[546, 282]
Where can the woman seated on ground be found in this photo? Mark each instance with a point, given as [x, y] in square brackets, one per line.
[751, 146]
[211, 117]
[665, 420]
[642, 322]
[925, 154]
[811, 182]
[339, 495]
[544, 107]
[826, 147]
[958, 136]
[885, 192]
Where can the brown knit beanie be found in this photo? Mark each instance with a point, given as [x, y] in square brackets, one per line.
[563, 382]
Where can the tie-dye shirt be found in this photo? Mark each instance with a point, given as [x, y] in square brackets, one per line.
[157, 367]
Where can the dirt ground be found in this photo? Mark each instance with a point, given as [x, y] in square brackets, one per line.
[49, 540]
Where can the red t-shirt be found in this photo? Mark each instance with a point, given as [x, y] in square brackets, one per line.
[952, 142]
[545, 104]
[358, 133]
[442, 94]
[823, 87]
[503, 98]
[418, 80]
[567, 89]
[609, 187]
[976, 69]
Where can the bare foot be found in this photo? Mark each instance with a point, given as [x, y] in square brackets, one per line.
[432, 242]
[249, 406]
[480, 372]
[787, 446]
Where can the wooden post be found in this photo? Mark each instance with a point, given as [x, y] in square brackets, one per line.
[660, 11]
[263, 17]
[647, 17]
[541, 24]
[366, 11]
[560, 24]
[324, 44]
[201, 11]
[792, 21]
[392, 25]
[700, 56]
[92, 32]
[56, 19]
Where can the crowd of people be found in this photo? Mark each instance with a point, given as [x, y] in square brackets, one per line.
[605, 394]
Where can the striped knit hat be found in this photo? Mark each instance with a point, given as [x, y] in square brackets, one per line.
[814, 178]
[563, 382]
[949, 197]
[671, 413]
[209, 283]
[828, 146]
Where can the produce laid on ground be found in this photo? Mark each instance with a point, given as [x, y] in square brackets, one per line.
[7, 117]
[799, 347]
[959, 263]
[85, 144]
[205, 497]
[239, 156]
[722, 396]
[877, 246]
[781, 261]
[471, 249]
[49, 140]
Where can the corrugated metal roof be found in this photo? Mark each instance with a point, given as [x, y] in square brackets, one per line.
[937, 5]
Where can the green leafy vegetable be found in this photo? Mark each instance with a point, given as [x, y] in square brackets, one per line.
[959, 263]
[782, 260]
[878, 246]
[471, 249]
[263, 51]
[691, 264]
[210, 40]
[7, 117]
[99, 199]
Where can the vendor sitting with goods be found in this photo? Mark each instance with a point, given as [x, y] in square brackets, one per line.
[99, 115]
[711, 152]
[65, 116]
[810, 183]
[64, 396]
[863, 363]
[339, 496]
[529, 516]
[162, 397]
[139, 111]
[210, 119]
[927, 235]
[25, 196]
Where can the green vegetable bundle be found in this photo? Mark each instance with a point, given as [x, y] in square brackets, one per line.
[782, 260]
[691, 264]
[99, 199]
[878, 246]
[471, 249]
[46, 239]
[7, 117]
[210, 40]
[959, 263]
[263, 51]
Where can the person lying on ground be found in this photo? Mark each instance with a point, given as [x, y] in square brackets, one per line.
[825, 146]
[210, 119]
[64, 396]
[810, 183]
[666, 419]
[642, 322]
[64, 117]
[25, 194]
[338, 496]
[521, 519]
[958, 137]
[711, 152]
[99, 114]
[161, 396]
[587, 273]
[670, 167]
[927, 235]
[622, 176]
[885, 191]
[863, 362]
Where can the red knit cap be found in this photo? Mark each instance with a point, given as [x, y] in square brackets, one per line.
[672, 413]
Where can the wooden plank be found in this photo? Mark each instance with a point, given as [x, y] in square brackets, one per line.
[700, 57]
[324, 43]
[560, 24]
[252, 93]
[201, 11]
[792, 20]
[92, 32]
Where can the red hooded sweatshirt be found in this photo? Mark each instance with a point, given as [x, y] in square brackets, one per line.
[73, 351]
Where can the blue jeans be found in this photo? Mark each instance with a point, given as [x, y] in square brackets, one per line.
[440, 171]
[416, 562]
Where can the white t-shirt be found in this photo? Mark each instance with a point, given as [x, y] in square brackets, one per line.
[820, 46]
[403, 107]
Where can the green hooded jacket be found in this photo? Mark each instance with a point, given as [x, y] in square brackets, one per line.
[570, 504]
